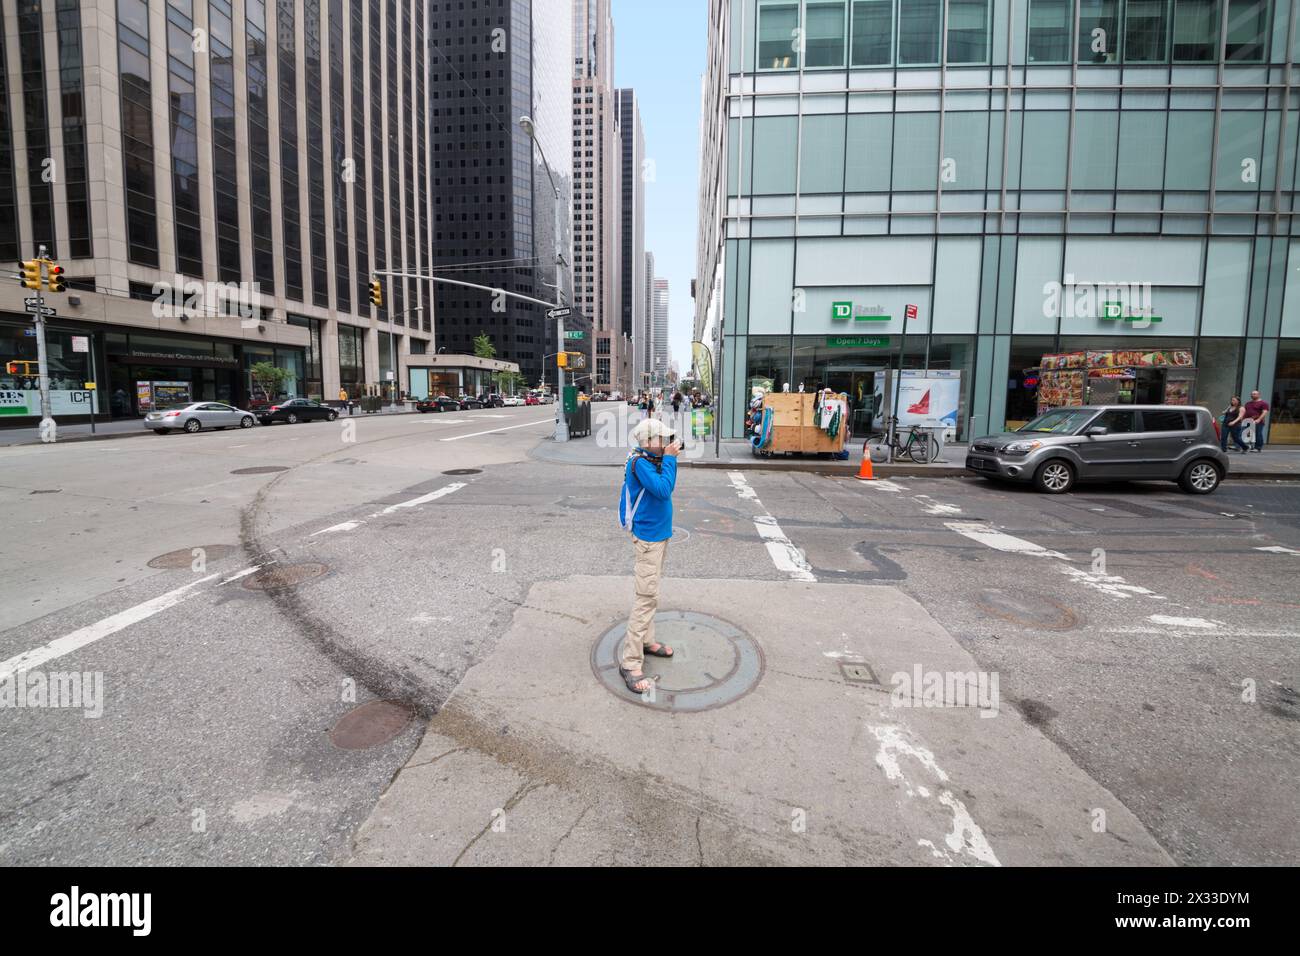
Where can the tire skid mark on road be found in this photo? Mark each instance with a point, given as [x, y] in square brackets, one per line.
[788, 559]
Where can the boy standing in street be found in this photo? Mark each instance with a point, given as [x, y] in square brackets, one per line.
[646, 507]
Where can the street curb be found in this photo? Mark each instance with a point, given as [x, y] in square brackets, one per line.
[141, 433]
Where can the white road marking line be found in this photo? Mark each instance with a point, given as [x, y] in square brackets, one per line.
[422, 500]
[1278, 549]
[1196, 622]
[1001, 541]
[966, 837]
[345, 526]
[884, 484]
[1111, 584]
[486, 415]
[242, 574]
[233, 447]
[443, 421]
[787, 558]
[540, 421]
[933, 507]
[94, 632]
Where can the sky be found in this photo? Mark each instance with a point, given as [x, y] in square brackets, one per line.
[660, 50]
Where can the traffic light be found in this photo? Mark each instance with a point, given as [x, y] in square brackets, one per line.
[376, 294]
[562, 360]
[31, 277]
[11, 368]
[55, 280]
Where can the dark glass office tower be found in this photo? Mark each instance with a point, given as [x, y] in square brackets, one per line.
[493, 200]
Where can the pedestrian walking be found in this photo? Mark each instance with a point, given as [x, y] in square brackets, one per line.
[1233, 417]
[646, 509]
[1257, 412]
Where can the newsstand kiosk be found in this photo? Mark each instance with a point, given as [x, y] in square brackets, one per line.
[1116, 377]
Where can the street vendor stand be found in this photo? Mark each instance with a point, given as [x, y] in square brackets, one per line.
[1116, 377]
[802, 423]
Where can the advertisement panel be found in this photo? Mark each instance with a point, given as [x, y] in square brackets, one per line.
[22, 401]
[929, 399]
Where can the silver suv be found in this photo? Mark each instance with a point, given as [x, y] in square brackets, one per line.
[1107, 443]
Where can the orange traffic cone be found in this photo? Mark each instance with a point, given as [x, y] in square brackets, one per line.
[865, 473]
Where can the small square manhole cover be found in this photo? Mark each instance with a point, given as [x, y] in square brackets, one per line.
[858, 672]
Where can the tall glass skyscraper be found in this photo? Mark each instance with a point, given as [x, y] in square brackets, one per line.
[970, 186]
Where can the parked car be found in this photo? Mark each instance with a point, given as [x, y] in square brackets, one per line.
[437, 403]
[512, 401]
[492, 401]
[197, 416]
[468, 401]
[532, 400]
[298, 410]
[1106, 443]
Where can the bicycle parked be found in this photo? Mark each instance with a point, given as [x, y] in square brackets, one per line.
[914, 442]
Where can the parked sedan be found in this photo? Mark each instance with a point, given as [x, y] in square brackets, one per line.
[492, 401]
[513, 401]
[298, 410]
[197, 416]
[467, 402]
[532, 400]
[437, 403]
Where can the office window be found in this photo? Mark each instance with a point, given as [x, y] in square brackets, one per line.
[9, 238]
[31, 60]
[1145, 28]
[968, 31]
[1141, 137]
[1050, 25]
[775, 139]
[778, 25]
[821, 167]
[1043, 160]
[1096, 135]
[225, 177]
[259, 145]
[290, 208]
[75, 177]
[137, 131]
[1196, 31]
[339, 155]
[918, 32]
[916, 147]
[377, 144]
[1247, 30]
[185, 143]
[1099, 39]
[824, 33]
[873, 32]
[1187, 158]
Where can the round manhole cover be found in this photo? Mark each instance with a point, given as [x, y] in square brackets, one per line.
[714, 663]
[184, 558]
[370, 725]
[1028, 610]
[281, 576]
[464, 471]
[263, 470]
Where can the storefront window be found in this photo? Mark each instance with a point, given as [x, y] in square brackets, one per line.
[1285, 402]
[352, 360]
[1022, 377]
[69, 371]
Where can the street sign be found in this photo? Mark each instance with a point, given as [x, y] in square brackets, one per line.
[81, 343]
[559, 313]
[43, 310]
[910, 312]
[575, 335]
[31, 301]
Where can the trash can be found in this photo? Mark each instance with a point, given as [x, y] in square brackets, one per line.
[579, 420]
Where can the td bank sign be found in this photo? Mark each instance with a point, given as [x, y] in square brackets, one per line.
[846, 311]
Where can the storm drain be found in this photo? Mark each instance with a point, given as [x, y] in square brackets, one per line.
[262, 470]
[858, 672]
[464, 471]
[281, 576]
[184, 558]
[370, 725]
[1028, 610]
[714, 664]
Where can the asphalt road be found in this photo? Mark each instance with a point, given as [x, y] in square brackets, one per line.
[1126, 623]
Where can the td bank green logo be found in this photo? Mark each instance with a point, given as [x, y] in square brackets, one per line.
[842, 311]
[1118, 312]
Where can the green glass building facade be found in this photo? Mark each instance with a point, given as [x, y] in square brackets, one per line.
[1032, 176]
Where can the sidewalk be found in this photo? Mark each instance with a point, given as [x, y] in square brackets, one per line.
[118, 429]
[609, 446]
[542, 757]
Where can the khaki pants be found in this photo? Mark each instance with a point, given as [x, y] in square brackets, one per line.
[641, 626]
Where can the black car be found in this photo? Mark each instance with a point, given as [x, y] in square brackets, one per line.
[467, 402]
[439, 403]
[298, 410]
[492, 401]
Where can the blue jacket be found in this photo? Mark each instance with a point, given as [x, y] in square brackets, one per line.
[653, 520]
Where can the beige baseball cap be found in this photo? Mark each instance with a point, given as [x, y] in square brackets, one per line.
[649, 429]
